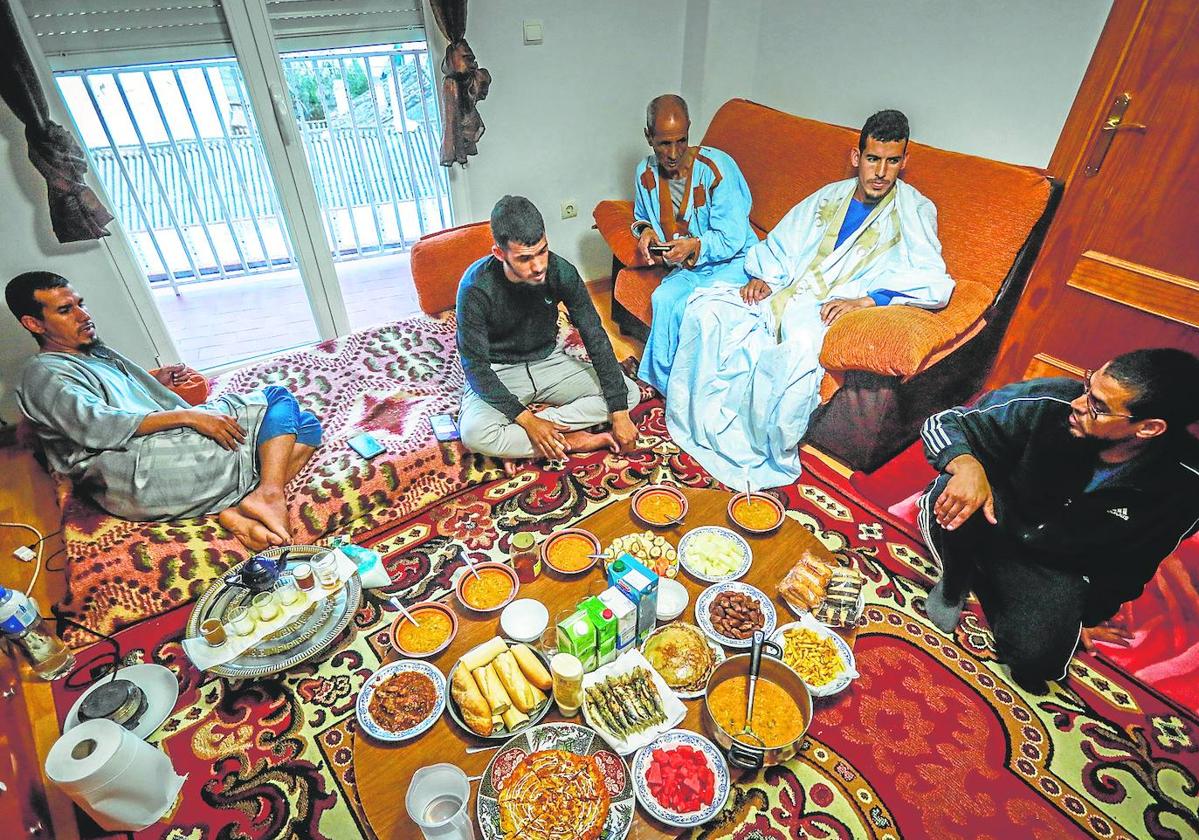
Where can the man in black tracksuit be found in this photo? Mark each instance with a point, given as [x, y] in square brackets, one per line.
[1057, 501]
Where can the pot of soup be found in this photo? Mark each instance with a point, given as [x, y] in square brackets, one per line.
[782, 708]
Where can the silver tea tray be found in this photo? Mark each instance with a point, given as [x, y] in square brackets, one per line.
[310, 635]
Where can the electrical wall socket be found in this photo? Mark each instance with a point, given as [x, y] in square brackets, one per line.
[570, 209]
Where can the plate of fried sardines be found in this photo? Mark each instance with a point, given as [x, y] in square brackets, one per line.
[629, 703]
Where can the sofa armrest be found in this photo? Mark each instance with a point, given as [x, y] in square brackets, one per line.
[614, 220]
[440, 259]
[898, 340]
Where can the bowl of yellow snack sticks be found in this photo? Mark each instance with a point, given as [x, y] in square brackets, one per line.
[823, 660]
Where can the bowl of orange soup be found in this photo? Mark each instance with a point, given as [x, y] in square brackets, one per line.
[759, 514]
[659, 505]
[567, 551]
[435, 627]
[493, 589]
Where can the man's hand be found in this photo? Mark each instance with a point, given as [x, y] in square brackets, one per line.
[834, 309]
[683, 251]
[546, 436]
[754, 291]
[222, 428]
[171, 375]
[967, 491]
[624, 431]
[1107, 632]
[647, 238]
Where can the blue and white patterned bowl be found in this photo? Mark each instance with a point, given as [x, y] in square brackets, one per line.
[738, 541]
[720, 770]
[769, 616]
[371, 727]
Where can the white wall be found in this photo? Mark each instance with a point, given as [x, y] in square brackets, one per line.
[990, 78]
[29, 245]
[564, 118]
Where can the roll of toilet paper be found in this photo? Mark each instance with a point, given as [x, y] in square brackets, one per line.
[121, 781]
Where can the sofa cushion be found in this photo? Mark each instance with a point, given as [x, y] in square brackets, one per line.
[614, 219]
[898, 340]
[440, 259]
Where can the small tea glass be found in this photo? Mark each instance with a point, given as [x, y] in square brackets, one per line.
[241, 621]
[286, 590]
[326, 570]
[266, 607]
[213, 632]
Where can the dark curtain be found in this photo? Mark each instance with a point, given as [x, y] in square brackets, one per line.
[75, 212]
[463, 84]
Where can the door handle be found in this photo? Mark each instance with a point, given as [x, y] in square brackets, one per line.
[283, 118]
[1107, 131]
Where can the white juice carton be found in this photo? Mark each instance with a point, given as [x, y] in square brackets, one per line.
[640, 585]
[626, 617]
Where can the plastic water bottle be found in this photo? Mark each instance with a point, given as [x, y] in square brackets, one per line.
[21, 622]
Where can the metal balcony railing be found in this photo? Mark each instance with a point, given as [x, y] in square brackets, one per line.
[178, 150]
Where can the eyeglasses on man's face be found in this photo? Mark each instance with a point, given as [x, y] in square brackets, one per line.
[1092, 407]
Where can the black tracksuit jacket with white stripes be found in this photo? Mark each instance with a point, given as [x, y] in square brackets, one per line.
[1115, 534]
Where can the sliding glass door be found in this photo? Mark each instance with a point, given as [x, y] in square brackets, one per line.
[271, 161]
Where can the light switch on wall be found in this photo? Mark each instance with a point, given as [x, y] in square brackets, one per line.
[533, 32]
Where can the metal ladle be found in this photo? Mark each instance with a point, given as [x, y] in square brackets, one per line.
[755, 667]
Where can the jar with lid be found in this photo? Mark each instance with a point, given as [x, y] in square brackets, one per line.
[567, 672]
[526, 561]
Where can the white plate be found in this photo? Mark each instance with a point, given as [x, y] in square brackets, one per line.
[717, 651]
[158, 683]
[672, 706]
[720, 783]
[769, 617]
[739, 542]
[847, 675]
[362, 707]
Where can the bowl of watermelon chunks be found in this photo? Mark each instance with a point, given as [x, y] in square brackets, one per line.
[681, 778]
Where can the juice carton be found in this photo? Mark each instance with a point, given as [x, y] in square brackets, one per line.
[640, 585]
[576, 636]
[625, 612]
[604, 622]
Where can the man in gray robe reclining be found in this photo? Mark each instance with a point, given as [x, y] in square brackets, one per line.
[136, 447]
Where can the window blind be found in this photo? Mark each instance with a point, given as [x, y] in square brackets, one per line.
[86, 34]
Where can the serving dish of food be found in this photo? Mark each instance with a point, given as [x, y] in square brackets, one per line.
[555, 781]
[757, 514]
[782, 710]
[653, 550]
[490, 590]
[713, 554]
[659, 505]
[498, 688]
[823, 660]
[681, 779]
[570, 551]
[834, 595]
[683, 657]
[730, 613]
[400, 700]
[435, 626]
[629, 704]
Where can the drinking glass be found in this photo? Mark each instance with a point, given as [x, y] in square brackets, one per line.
[325, 568]
[438, 801]
[286, 590]
[265, 606]
[241, 621]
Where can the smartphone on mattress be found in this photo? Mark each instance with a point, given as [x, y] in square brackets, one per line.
[444, 428]
[366, 445]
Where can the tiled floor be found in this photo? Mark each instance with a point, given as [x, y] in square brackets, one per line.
[225, 321]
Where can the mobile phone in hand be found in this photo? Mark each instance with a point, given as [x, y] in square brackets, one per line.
[366, 445]
[658, 248]
[444, 428]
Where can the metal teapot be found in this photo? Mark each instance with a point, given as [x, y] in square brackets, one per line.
[259, 574]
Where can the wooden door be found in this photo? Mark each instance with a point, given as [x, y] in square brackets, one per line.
[1120, 266]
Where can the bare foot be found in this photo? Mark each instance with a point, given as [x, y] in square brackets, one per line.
[269, 508]
[252, 533]
[512, 466]
[590, 441]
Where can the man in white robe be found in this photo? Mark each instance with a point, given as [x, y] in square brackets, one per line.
[747, 373]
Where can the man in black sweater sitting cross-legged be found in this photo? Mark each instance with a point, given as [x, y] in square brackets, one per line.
[507, 338]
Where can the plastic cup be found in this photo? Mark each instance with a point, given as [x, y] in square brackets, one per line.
[438, 801]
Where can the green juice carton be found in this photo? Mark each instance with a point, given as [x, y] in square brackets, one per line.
[604, 622]
[625, 612]
[640, 585]
[576, 636]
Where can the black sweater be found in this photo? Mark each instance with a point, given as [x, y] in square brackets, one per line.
[1116, 533]
[501, 322]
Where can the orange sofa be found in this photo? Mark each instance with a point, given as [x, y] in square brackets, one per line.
[887, 368]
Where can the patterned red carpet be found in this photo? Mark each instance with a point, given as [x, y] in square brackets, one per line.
[931, 741]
